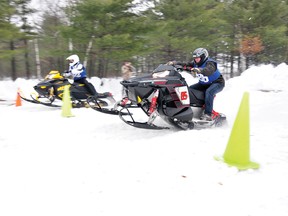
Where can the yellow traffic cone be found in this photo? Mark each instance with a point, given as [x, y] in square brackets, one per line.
[237, 151]
[66, 103]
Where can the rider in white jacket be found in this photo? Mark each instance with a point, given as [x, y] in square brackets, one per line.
[78, 72]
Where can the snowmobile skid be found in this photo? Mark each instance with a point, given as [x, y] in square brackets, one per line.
[218, 121]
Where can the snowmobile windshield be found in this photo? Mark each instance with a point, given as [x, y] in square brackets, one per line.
[53, 75]
[165, 70]
[163, 67]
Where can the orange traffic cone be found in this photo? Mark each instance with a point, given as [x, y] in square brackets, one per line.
[18, 99]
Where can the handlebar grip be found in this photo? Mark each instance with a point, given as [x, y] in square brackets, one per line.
[127, 83]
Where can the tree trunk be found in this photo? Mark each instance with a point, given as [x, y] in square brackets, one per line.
[88, 51]
[101, 68]
[247, 63]
[231, 63]
[37, 59]
[13, 62]
[26, 59]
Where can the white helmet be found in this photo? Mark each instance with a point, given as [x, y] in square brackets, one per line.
[73, 59]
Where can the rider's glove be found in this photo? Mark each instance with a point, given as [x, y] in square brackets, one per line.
[66, 74]
[195, 71]
[171, 63]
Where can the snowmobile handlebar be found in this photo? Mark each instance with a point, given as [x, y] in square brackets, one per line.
[140, 84]
[131, 84]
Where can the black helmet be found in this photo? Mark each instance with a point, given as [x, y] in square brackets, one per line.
[202, 53]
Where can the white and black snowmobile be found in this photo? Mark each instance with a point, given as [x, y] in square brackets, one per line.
[163, 93]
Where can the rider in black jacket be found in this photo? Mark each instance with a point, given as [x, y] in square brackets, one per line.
[211, 80]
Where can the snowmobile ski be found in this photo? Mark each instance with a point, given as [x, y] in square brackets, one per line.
[98, 104]
[6, 102]
[132, 122]
[105, 110]
[145, 125]
[39, 102]
[78, 104]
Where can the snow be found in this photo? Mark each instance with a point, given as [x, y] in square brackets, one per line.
[95, 164]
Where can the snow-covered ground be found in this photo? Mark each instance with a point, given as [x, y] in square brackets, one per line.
[95, 164]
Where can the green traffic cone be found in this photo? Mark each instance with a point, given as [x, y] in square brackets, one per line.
[237, 151]
[66, 103]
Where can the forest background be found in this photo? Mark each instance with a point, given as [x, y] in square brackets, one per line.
[105, 33]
